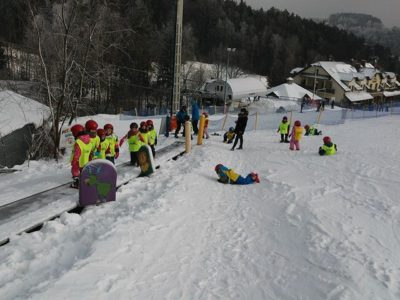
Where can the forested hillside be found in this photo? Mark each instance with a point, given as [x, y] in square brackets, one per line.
[368, 27]
[120, 43]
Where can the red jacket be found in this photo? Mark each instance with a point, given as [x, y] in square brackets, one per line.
[77, 154]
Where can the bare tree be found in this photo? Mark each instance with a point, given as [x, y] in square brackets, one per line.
[70, 37]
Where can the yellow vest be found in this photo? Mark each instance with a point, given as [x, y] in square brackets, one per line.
[85, 153]
[152, 136]
[95, 142]
[134, 143]
[145, 136]
[329, 150]
[284, 128]
[103, 147]
[113, 140]
[298, 133]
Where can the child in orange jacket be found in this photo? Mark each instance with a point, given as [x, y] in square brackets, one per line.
[295, 136]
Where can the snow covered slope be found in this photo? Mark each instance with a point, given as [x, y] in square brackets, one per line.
[314, 228]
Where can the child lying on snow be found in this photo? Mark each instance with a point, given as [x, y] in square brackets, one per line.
[328, 148]
[229, 176]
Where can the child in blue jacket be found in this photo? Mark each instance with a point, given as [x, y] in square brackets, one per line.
[226, 175]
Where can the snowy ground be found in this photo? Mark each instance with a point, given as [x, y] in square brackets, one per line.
[314, 228]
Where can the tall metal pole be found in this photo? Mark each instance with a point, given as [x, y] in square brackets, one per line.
[176, 93]
[226, 75]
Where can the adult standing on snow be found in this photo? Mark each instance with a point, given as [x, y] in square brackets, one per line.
[240, 127]
[195, 116]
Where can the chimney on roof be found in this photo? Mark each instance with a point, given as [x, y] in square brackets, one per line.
[289, 80]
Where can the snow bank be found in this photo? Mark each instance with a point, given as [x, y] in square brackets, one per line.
[16, 111]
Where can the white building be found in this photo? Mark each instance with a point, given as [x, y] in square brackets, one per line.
[236, 88]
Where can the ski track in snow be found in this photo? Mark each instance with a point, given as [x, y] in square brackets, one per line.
[314, 228]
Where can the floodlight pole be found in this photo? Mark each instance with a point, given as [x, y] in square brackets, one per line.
[176, 93]
[226, 75]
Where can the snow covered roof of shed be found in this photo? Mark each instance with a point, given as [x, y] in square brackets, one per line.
[16, 111]
[246, 86]
[291, 91]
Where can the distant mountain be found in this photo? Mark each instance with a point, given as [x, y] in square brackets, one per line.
[368, 27]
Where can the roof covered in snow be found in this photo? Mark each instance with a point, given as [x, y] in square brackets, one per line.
[358, 96]
[16, 111]
[243, 87]
[339, 71]
[290, 91]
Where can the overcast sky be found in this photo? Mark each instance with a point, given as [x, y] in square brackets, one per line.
[386, 10]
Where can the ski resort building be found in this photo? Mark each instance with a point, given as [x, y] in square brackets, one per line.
[347, 85]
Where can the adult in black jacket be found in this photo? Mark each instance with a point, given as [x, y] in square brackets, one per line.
[241, 124]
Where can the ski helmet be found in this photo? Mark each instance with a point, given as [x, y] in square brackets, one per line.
[91, 125]
[143, 124]
[217, 167]
[101, 132]
[108, 126]
[297, 123]
[284, 118]
[307, 127]
[231, 129]
[326, 139]
[133, 125]
[76, 129]
[149, 123]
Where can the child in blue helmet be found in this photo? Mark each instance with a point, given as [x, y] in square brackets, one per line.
[226, 175]
[229, 136]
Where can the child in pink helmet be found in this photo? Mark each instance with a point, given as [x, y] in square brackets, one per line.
[295, 136]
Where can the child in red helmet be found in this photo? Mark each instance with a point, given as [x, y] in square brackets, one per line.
[226, 175]
[135, 141]
[104, 144]
[112, 138]
[91, 129]
[328, 148]
[311, 130]
[81, 151]
[152, 136]
[295, 136]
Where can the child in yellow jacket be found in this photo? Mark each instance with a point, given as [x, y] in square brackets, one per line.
[295, 136]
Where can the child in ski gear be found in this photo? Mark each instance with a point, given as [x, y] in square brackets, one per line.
[80, 155]
[206, 135]
[152, 136]
[229, 135]
[135, 141]
[240, 127]
[91, 129]
[112, 138]
[295, 136]
[283, 129]
[226, 175]
[311, 130]
[104, 146]
[180, 120]
[328, 148]
[144, 132]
